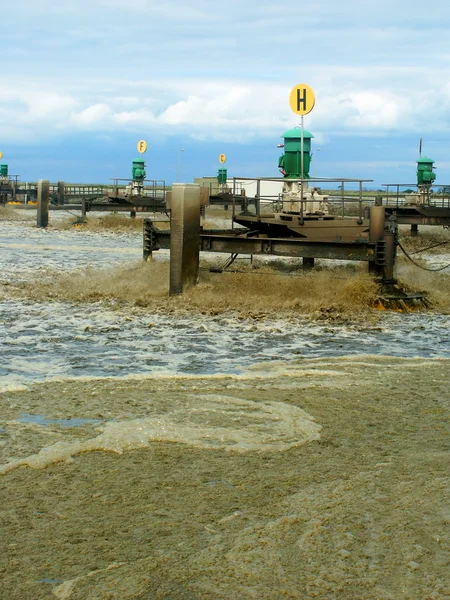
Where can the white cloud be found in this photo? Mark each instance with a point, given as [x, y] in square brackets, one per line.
[223, 109]
[95, 116]
[45, 104]
[212, 71]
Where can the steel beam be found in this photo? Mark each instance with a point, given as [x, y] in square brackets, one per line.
[231, 243]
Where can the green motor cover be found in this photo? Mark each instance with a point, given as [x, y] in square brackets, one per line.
[138, 170]
[425, 173]
[290, 163]
[222, 175]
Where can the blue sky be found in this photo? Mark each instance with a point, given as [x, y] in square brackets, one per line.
[83, 81]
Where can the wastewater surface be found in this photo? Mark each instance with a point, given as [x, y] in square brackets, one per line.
[43, 340]
[179, 455]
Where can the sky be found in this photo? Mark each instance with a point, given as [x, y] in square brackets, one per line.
[84, 80]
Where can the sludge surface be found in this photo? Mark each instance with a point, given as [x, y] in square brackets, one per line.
[359, 513]
[204, 421]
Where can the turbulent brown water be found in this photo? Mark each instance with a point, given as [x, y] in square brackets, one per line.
[267, 435]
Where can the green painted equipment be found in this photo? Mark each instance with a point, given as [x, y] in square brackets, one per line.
[222, 175]
[425, 174]
[138, 171]
[4, 171]
[290, 163]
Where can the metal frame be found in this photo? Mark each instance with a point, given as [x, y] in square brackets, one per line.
[243, 242]
[436, 199]
[244, 202]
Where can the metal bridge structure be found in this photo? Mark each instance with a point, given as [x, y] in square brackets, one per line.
[421, 205]
[256, 230]
[89, 197]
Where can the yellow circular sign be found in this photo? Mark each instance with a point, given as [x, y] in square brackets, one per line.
[1, 155]
[302, 99]
[222, 158]
[142, 146]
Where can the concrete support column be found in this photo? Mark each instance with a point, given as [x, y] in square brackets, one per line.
[389, 257]
[376, 224]
[414, 230]
[376, 232]
[308, 263]
[43, 189]
[184, 237]
[60, 193]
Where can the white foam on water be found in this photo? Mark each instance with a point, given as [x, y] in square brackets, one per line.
[27, 252]
[209, 421]
[39, 341]
[12, 387]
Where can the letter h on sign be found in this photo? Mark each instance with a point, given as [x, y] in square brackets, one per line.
[301, 99]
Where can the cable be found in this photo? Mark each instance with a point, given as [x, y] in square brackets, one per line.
[225, 265]
[429, 247]
[420, 266]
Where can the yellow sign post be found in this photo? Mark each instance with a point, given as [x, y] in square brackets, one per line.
[1, 155]
[222, 159]
[142, 146]
[302, 101]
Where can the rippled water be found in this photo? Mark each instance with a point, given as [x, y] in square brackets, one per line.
[25, 251]
[43, 340]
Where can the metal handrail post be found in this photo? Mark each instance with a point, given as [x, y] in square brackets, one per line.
[360, 203]
[258, 203]
[301, 202]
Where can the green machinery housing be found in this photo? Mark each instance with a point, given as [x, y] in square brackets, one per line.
[4, 171]
[425, 173]
[290, 163]
[222, 176]
[138, 170]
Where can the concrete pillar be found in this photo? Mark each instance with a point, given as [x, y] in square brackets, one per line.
[376, 232]
[414, 230]
[133, 214]
[308, 263]
[43, 190]
[389, 257]
[83, 209]
[60, 193]
[376, 225]
[184, 236]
